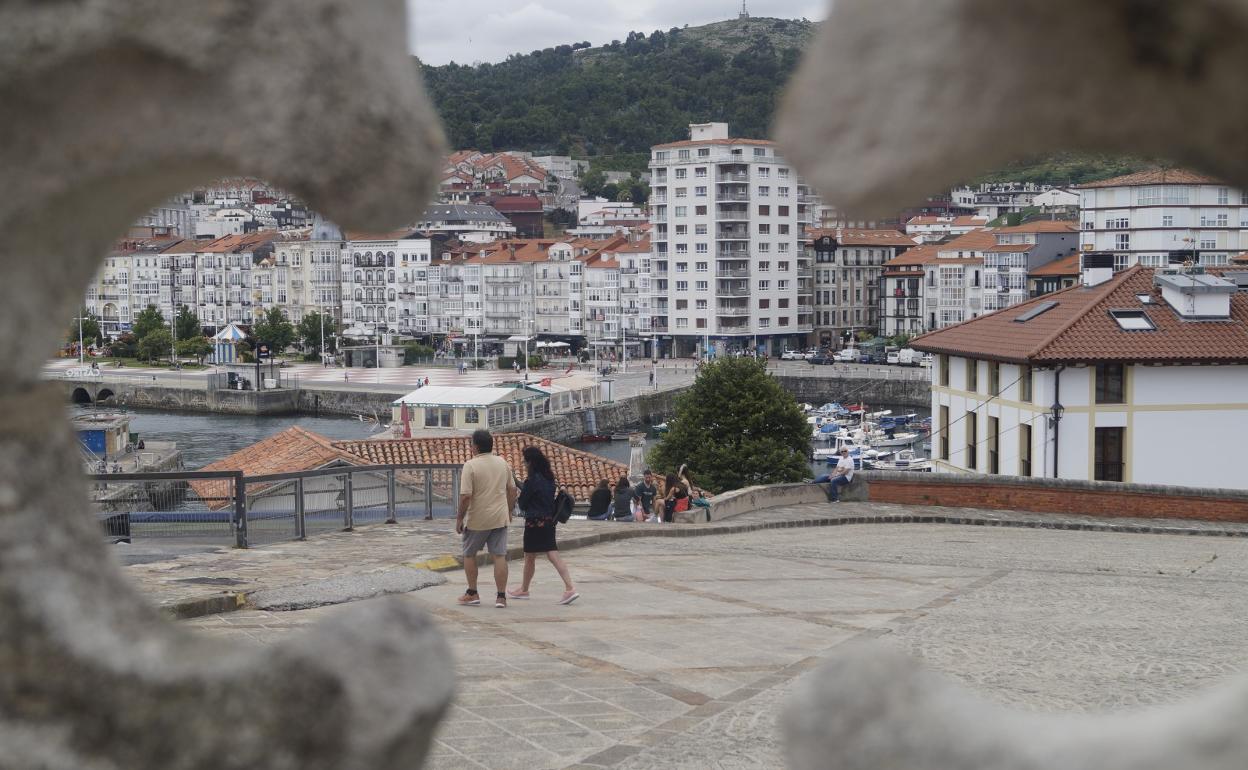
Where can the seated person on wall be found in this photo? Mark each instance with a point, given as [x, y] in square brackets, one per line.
[841, 476]
[599, 501]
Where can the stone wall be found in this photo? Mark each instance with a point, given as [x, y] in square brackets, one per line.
[623, 415]
[820, 390]
[346, 402]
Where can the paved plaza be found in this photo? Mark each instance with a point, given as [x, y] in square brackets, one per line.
[682, 650]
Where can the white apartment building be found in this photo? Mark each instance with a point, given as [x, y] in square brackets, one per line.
[1018, 251]
[932, 228]
[468, 222]
[848, 265]
[726, 237]
[385, 282]
[633, 258]
[992, 200]
[1146, 217]
[222, 222]
[314, 280]
[953, 289]
[1100, 382]
[226, 292]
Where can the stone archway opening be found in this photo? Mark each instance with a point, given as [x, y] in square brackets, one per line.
[81, 396]
[104, 395]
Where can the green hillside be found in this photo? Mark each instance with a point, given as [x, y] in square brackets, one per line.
[613, 102]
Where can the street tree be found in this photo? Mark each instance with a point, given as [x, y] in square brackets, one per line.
[155, 344]
[593, 182]
[274, 329]
[187, 324]
[195, 347]
[91, 332]
[148, 320]
[309, 331]
[736, 427]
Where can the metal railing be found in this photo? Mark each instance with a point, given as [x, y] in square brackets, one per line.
[230, 508]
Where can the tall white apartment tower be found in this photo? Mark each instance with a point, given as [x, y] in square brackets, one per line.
[726, 244]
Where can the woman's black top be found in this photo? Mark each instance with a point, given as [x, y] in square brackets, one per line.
[537, 497]
[623, 502]
[599, 501]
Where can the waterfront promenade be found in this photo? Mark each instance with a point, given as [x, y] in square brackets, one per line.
[683, 649]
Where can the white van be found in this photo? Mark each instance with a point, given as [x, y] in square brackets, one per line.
[893, 357]
[907, 357]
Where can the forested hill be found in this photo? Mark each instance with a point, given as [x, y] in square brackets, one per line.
[613, 102]
[621, 98]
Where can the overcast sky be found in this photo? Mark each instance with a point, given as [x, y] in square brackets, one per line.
[468, 31]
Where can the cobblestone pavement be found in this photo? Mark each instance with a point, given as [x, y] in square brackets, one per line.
[681, 650]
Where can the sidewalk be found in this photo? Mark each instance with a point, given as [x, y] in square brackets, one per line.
[204, 583]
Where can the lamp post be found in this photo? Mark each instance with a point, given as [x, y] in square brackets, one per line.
[80, 339]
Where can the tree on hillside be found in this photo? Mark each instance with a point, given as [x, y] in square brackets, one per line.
[147, 321]
[186, 323]
[90, 329]
[156, 344]
[736, 427]
[274, 329]
[610, 191]
[592, 182]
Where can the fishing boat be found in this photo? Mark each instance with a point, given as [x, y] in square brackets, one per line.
[905, 460]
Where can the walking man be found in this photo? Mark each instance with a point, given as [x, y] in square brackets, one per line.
[487, 500]
[840, 477]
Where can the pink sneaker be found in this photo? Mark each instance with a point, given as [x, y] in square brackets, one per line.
[569, 597]
[517, 594]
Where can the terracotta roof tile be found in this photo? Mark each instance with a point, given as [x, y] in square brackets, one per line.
[1153, 176]
[919, 255]
[580, 471]
[1041, 226]
[294, 449]
[1079, 328]
[1067, 265]
[847, 236]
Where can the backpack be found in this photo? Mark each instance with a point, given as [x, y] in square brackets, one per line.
[563, 506]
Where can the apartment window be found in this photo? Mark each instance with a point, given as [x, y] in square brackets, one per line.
[1208, 242]
[682, 211]
[764, 171]
[698, 210]
[699, 229]
[1167, 220]
[782, 267]
[764, 191]
[944, 431]
[704, 152]
[682, 248]
[783, 192]
[764, 285]
[1108, 465]
[700, 267]
[972, 375]
[700, 172]
[1111, 384]
[764, 229]
[682, 323]
[783, 173]
[700, 304]
[1122, 241]
[1024, 384]
[1024, 450]
[972, 438]
[783, 248]
[783, 229]
[764, 304]
[682, 155]
[763, 248]
[682, 304]
[1223, 196]
[764, 267]
[682, 192]
[682, 286]
[764, 323]
[994, 379]
[700, 248]
[760, 152]
[700, 323]
[764, 211]
[994, 440]
[783, 321]
[682, 229]
[699, 192]
[701, 286]
[782, 211]
[681, 172]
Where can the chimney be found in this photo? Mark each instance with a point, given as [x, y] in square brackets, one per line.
[1097, 267]
[1195, 295]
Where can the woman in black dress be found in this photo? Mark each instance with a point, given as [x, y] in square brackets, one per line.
[537, 501]
[623, 499]
[599, 501]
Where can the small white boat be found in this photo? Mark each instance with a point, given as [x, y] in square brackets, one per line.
[905, 460]
[882, 439]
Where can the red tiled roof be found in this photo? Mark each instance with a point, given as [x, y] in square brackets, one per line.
[1240, 258]
[294, 449]
[919, 255]
[1068, 265]
[1079, 329]
[976, 240]
[580, 471]
[1153, 176]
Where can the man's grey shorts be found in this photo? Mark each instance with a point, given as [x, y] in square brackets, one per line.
[493, 540]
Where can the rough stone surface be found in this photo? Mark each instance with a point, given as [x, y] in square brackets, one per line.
[110, 107]
[920, 113]
[345, 588]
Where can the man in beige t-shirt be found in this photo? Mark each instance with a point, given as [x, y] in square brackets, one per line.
[487, 498]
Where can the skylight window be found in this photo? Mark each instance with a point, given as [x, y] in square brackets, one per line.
[1043, 307]
[1132, 320]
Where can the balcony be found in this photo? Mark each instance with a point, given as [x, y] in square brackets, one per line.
[743, 272]
[732, 233]
[732, 289]
[732, 253]
[732, 197]
[734, 327]
[732, 311]
[658, 218]
[733, 176]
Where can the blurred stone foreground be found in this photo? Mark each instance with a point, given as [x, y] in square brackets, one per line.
[110, 106]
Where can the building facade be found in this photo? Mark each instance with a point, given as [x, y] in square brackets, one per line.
[846, 268]
[1018, 251]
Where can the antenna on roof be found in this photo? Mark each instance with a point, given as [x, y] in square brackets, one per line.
[745, 14]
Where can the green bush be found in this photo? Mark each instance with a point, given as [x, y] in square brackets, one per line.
[414, 352]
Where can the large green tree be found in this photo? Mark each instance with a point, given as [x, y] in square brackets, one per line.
[157, 343]
[736, 427]
[91, 333]
[147, 321]
[274, 329]
[196, 347]
[187, 324]
[309, 331]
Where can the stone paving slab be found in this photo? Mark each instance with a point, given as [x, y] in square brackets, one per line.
[682, 649]
[221, 580]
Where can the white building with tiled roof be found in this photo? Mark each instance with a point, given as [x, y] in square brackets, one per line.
[1135, 377]
[1146, 217]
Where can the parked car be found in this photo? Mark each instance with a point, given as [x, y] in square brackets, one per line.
[908, 357]
[847, 355]
[809, 354]
[926, 361]
[822, 360]
[865, 358]
[879, 358]
[792, 355]
[893, 358]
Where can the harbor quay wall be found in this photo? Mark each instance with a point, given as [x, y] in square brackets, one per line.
[156, 396]
[347, 403]
[895, 392]
[615, 417]
[1095, 499]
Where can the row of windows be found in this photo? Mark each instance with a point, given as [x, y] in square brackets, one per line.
[701, 323]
